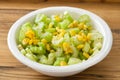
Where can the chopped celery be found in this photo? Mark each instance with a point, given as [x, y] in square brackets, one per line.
[73, 61]
[64, 24]
[86, 47]
[24, 28]
[59, 39]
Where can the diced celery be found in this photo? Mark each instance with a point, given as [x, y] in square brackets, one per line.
[81, 56]
[51, 58]
[58, 60]
[24, 28]
[95, 36]
[73, 61]
[48, 36]
[75, 51]
[23, 51]
[84, 18]
[86, 47]
[43, 59]
[40, 17]
[64, 24]
[67, 37]
[68, 16]
[37, 50]
[41, 44]
[59, 52]
[31, 56]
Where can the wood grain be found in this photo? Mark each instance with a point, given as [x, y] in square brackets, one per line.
[12, 69]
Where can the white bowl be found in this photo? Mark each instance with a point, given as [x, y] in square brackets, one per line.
[99, 24]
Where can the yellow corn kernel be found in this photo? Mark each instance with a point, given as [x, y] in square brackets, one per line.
[48, 47]
[67, 48]
[44, 41]
[50, 25]
[81, 25]
[30, 41]
[86, 55]
[72, 32]
[57, 18]
[52, 51]
[30, 34]
[88, 36]
[85, 27]
[25, 41]
[35, 41]
[75, 23]
[55, 33]
[62, 33]
[80, 38]
[63, 63]
[80, 46]
[70, 25]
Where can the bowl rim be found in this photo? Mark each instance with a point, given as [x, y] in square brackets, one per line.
[76, 67]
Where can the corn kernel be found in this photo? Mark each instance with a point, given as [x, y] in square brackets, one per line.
[80, 46]
[72, 32]
[70, 25]
[30, 34]
[80, 38]
[67, 48]
[52, 51]
[30, 41]
[81, 25]
[86, 55]
[75, 23]
[88, 36]
[63, 63]
[48, 47]
[44, 41]
[50, 25]
[25, 41]
[57, 18]
[35, 41]
[85, 27]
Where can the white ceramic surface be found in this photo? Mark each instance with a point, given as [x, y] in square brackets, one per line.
[98, 23]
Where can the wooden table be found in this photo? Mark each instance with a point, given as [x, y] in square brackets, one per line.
[12, 69]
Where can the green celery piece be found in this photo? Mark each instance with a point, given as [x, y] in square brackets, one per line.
[68, 16]
[84, 18]
[67, 37]
[48, 36]
[75, 51]
[23, 52]
[37, 50]
[43, 59]
[81, 56]
[73, 61]
[58, 60]
[86, 47]
[41, 44]
[51, 58]
[24, 28]
[59, 52]
[40, 17]
[31, 57]
[64, 24]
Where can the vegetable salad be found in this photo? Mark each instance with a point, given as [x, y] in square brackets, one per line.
[59, 40]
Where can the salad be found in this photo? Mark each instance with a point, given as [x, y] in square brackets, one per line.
[59, 40]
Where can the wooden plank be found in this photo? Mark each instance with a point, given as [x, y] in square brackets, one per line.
[112, 1]
[12, 69]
